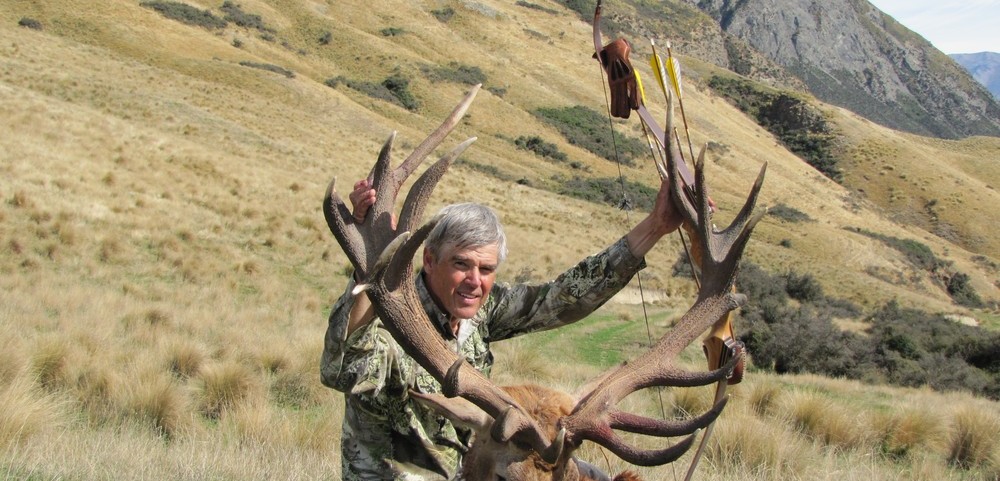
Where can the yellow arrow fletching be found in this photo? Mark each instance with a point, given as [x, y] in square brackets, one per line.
[638, 82]
[674, 69]
[657, 66]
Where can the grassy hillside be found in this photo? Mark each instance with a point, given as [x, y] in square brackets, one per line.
[166, 270]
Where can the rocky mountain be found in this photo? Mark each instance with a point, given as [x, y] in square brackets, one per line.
[984, 67]
[846, 52]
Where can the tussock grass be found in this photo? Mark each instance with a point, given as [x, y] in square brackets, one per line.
[25, 411]
[98, 389]
[160, 402]
[517, 362]
[50, 363]
[972, 441]
[826, 421]
[185, 358]
[747, 445]
[225, 386]
[901, 432]
[763, 395]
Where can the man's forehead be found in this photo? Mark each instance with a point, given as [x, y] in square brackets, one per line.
[487, 254]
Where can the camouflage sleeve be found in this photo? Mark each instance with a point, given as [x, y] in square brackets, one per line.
[522, 308]
[365, 361]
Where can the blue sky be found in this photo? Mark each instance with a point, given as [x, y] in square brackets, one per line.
[953, 27]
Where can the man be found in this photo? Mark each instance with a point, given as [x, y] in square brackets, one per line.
[387, 435]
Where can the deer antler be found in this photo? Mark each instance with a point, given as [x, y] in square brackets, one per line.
[595, 417]
[382, 257]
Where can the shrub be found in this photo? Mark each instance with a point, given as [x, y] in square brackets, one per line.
[29, 23]
[269, 67]
[185, 13]
[915, 252]
[392, 32]
[588, 129]
[540, 147]
[789, 214]
[326, 38]
[608, 191]
[399, 86]
[535, 6]
[443, 14]
[962, 291]
[394, 89]
[498, 91]
[455, 72]
[234, 13]
[803, 287]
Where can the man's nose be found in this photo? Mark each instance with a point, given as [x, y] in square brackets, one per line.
[472, 276]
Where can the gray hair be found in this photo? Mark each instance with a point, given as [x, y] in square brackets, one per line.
[467, 225]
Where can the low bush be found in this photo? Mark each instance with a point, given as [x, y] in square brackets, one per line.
[588, 129]
[960, 289]
[443, 14]
[29, 23]
[185, 13]
[535, 6]
[394, 89]
[789, 214]
[455, 72]
[234, 13]
[905, 347]
[917, 253]
[608, 191]
[269, 67]
[540, 147]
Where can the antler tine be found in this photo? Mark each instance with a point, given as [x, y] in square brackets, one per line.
[386, 186]
[435, 138]
[664, 428]
[416, 199]
[337, 215]
[655, 457]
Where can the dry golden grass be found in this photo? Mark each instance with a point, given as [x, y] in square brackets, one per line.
[165, 274]
[972, 441]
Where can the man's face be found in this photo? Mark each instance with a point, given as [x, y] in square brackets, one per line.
[461, 280]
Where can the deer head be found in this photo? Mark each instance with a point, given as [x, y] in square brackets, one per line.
[517, 440]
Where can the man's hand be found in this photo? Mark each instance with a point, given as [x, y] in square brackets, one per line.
[362, 198]
[664, 210]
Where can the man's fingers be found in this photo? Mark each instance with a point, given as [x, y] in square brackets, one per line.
[362, 200]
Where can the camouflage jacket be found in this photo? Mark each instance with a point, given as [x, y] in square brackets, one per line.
[386, 435]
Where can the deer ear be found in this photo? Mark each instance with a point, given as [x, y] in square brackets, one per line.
[456, 409]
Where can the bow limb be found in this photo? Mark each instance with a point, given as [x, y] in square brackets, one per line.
[598, 42]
